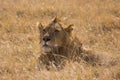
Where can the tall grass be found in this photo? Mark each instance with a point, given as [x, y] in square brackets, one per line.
[97, 24]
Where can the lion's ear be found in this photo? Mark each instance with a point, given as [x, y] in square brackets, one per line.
[69, 28]
[39, 25]
[56, 19]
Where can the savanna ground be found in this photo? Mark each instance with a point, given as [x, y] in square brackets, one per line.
[96, 22]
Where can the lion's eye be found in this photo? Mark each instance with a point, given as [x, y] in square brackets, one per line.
[43, 30]
[56, 30]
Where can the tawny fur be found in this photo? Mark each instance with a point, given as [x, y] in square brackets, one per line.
[69, 47]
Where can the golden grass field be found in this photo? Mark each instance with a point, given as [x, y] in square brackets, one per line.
[96, 22]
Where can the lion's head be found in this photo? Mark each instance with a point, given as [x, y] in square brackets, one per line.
[54, 36]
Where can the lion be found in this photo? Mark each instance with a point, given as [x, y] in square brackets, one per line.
[58, 45]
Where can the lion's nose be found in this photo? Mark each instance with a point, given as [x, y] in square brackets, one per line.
[46, 38]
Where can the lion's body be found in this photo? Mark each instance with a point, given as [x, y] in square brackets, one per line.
[58, 57]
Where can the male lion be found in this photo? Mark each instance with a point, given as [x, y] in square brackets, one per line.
[58, 45]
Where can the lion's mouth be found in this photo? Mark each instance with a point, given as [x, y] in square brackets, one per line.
[45, 45]
[46, 48]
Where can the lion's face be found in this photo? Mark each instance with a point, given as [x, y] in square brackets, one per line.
[54, 36]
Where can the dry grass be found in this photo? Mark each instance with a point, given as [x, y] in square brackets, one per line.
[97, 23]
